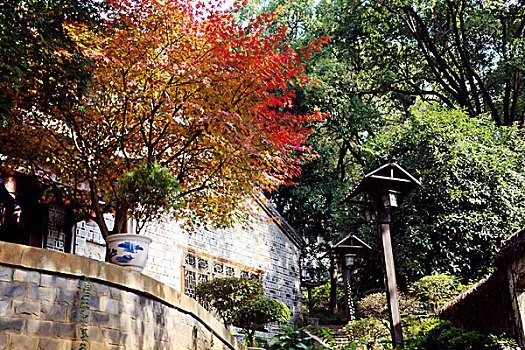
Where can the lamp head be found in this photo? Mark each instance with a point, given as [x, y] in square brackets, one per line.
[391, 198]
[349, 260]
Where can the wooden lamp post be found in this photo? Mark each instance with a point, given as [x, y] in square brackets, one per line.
[386, 187]
[347, 250]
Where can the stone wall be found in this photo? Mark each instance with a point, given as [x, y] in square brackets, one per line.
[486, 307]
[40, 307]
[260, 247]
[497, 303]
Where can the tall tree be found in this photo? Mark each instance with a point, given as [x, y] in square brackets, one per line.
[36, 73]
[472, 191]
[464, 53]
[313, 203]
[181, 84]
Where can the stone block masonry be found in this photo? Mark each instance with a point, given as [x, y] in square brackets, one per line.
[262, 244]
[40, 294]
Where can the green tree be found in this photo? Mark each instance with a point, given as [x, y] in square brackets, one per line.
[240, 302]
[312, 203]
[463, 53]
[467, 54]
[40, 66]
[227, 295]
[472, 193]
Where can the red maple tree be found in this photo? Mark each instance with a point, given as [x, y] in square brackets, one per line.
[184, 85]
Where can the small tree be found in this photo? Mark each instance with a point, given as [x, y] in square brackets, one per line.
[227, 295]
[239, 302]
[149, 191]
[259, 311]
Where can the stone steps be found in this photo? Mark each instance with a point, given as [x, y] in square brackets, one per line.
[339, 337]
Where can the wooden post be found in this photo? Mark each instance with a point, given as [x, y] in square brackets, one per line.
[333, 285]
[345, 283]
[348, 293]
[390, 278]
[389, 182]
[310, 301]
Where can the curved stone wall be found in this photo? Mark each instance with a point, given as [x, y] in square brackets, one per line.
[40, 307]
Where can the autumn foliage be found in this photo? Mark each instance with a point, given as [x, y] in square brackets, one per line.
[181, 84]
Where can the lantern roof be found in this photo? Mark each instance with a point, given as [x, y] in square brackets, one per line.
[350, 245]
[312, 283]
[390, 176]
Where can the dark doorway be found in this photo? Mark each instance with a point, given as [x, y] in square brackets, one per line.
[42, 225]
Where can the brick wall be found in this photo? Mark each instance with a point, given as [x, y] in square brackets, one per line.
[486, 307]
[260, 245]
[89, 241]
[497, 303]
[40, 307]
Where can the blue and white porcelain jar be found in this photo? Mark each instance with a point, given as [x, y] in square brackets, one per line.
[128, 250]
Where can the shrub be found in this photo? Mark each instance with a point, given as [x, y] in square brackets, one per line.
[226, 295]
[436, 290]
[257, 312]
[371, 332]
[420, 331]
[375, 306]
[290, 339]
[239, 302]
[440, 334]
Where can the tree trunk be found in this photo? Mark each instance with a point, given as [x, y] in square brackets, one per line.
[251, 337]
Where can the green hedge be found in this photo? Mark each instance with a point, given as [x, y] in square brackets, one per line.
[443, 335]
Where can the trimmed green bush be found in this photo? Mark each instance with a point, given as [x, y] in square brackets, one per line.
[240, 302]
[443, 335]
[436, 290]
